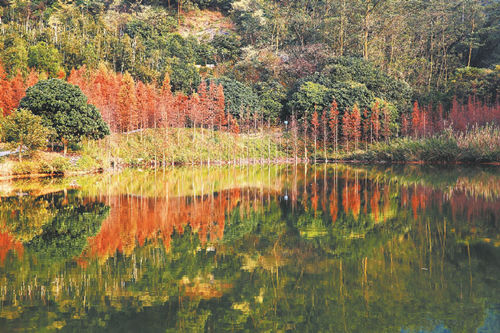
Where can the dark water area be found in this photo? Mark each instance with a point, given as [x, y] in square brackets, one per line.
[326, 248]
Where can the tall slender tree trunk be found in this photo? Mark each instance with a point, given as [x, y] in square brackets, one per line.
[315, 148]
[365, 34]
[342, 27]
[179, 9]
[470, 44]
[65, 145]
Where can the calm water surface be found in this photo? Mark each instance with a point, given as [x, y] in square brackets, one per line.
[261, 248]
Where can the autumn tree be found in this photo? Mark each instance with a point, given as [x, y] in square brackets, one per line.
[220, 114]
[334, 123]
[32, 79]
[126, 112]
[356, 125]
[294, 130]
[203, 103]
[5, 92]
[416, 121]
[233, 124]
[166, 102]
[366, 125]
[347, 127]
[386, 123]
[17, 89]
[405, 126]
[324, 127]
[375, 123]
[315, 130]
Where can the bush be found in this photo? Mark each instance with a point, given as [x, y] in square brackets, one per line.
[24, 130]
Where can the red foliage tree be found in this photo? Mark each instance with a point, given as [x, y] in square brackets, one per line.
[356, 125]
[233, 124]
[324, 127]
[439, 123]
[211, 105]
[6, 101]
[315, 131]
[366, 126]
[386, 123]
[334, 123]
[347, 127]
[166, 101]
[18, 90]
[220, 107]
[375, 123]
[203, 103]
[32, 78]
[127, 115]
[405, 126]
[416, 122]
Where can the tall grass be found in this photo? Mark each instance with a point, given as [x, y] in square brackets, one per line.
[478, 144]
[181, 145]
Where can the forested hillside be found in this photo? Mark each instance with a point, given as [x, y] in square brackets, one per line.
[334, 70]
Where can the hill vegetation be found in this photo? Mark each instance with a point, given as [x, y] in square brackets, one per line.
[325, 76]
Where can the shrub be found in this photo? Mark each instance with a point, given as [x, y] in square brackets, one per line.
[24, 130]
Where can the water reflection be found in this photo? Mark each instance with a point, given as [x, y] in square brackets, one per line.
[318, 248]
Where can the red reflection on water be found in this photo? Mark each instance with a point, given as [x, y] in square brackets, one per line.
[134, 220]
[8, 243]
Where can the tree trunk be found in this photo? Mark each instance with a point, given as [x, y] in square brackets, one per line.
[65, 145]
[341, 32]
[470, 44]
[315, 149]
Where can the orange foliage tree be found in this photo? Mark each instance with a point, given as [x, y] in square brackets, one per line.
[334, 123]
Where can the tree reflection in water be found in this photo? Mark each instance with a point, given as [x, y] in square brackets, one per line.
[212, 249]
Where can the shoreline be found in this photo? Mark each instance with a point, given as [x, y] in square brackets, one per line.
[263, 161]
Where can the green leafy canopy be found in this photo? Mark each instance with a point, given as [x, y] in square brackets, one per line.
[63, 108]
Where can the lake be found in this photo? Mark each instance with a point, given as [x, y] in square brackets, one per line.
[317, 248]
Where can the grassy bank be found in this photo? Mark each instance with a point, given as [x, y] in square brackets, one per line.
[476, 145]
[46, 163]
[181, 146]
[150, 148]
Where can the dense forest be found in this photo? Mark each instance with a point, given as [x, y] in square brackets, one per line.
[339, 71]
